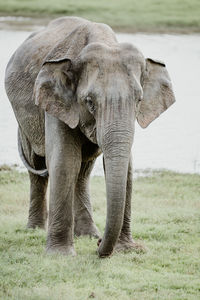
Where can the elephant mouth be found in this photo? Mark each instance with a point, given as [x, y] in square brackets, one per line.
[90, 132]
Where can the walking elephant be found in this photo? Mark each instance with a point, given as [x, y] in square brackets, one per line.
[76, 92]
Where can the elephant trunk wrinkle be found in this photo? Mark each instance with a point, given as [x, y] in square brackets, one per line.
[116, 142]
[115, 137]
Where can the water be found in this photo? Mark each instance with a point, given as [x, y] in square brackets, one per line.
[173, 140]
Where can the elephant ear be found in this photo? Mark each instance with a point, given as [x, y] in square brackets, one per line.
[157, 92]
[55, 85]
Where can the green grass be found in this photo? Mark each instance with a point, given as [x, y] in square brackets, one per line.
[127, 15]
[166, 215]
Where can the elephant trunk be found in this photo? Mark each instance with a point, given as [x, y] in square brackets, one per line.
[116, 147]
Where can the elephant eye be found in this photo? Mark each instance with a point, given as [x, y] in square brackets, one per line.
[90, 104]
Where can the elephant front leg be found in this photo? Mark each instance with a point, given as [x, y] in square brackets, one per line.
[61, 213]
[63, 162]
[84, 224]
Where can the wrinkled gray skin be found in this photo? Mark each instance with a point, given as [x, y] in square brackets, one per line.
[76, 93]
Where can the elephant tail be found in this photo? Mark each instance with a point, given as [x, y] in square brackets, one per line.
[43, 172]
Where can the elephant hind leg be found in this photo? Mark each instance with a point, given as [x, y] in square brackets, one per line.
[38, 187]
[84, 224]
[38, 203]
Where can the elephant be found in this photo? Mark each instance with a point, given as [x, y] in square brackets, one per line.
[76, 93]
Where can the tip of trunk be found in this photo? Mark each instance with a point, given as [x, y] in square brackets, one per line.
[102, 253]
[105, 255]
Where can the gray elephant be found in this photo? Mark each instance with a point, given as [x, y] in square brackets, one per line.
[76, 93]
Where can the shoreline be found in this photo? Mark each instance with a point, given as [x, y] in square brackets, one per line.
[137, 173]
[31, 23]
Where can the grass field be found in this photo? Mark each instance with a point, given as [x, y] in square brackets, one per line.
[166, 217]
[127, 15]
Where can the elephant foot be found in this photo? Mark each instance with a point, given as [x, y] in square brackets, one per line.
[83, 227]
[37, 221]
[61, 250]
[128, 244]
[34, 225]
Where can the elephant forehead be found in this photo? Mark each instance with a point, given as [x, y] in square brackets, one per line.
[106, 72]
[119, 52]
[104, 60]
[107, 79]
[105, 85]
[101, 67]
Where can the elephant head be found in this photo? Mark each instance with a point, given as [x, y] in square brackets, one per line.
[103, 89]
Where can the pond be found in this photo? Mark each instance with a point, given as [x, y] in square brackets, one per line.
[173, 140]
